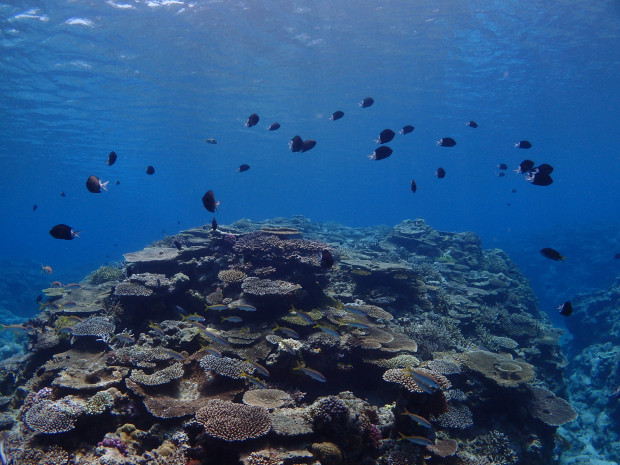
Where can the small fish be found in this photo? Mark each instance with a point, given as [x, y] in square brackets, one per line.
[310, 373]
[471, 124]
[419, 440]
[214, 224]
[446, 142]
[501, 174]
[296, 144]
[198, 324]
[5, 458]
[245, 307]
[150, 170]
[414, 186]
[513, 191]
[112, 158]
[304, 316]
[381, 153]
[367, 102]
[16, 329]
[617, 256]
[418, 419]
[232, 319]
[193, 317]
[423, 380]
[336, 115]
[126, 338]
[252, 120]
[34, 207]
[208, 200]
[286, 346]
[327, 259]
[273, 127]
[288, 331]
[523, 144]
[440, 173]
[243, 168]
[218, 307]
[212, 351]
[327, 330]
[353, 324]
[47, 269]
[62, 194]
[548, 252]
[68, 305]
[156, 329]
[307, 145]
[215, 337]
[502, 166]
[211, 140]
[385, 136]
[406, 129]
[62, 231]
[65, 330]
[258, 367]
[56, 284]
[178, 245]
[74, 319]
[354, 308]
[525, 166]
[118, 183]
[254, 380]
[566, 309]
[174, 355]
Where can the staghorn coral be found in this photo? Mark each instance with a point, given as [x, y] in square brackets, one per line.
[164, 376]
[94, 326]
[552, 410]
[268, 398]
[226, 366]
[233, 422]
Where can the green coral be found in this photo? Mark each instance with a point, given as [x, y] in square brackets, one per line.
[105, 274]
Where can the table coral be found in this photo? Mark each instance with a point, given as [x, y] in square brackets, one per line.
[233, 422]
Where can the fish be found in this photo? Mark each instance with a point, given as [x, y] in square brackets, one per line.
[112, 158]
[150, 170]
[156, 329]
[354, 308]
[406, 129]
[566, 309]
[5, 459]
[419, 440]
[545, 168]
[65, 330]
[232, 319]
[208, 200]
[211, 140]
[353, 324]
[193, 317]
[440, 173]
[414, 186]
[245, 307]
[178, 245]
[523, 144]
[62, 194]
[296, 144]
[126, 338]
[243, 168]
[501, 174]
[367, 102]
[525, 166]
[286, 346]
[273, 127]
[513, 191]
[212, 351]
[118, 183]
[617, 256]
[215, 337]
[540, 179]
[56, 284]
[74, 285]
[553, 254]
[62, 231]
[446, 142]
[213, 224]
[418, 419]
[218, 307]
[34, 207]
[471, 124]
[502, 166]
[327, 330]
[68, 305]
[308, 145]
[16, 329]
[288, 331]
[310, 373]
[94, 184]
[304, 316]
[327, 259]
[174, 355]
[336, 115]
[258, 367]
[252, 120]
[381, 153]
[48, 269]
[254, 380]
[385, 136]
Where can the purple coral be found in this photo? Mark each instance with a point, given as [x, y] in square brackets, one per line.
[329, 411]
[374, 434]
[114, 442]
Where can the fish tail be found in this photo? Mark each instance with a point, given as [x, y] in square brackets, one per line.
[3, 327]
[104, 185]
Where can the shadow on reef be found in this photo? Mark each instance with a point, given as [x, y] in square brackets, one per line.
[242, 345]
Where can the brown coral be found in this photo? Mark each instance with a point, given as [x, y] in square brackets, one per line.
[231, 276]
[268, 398]
[256, 287]
[444, 447]
[160, 377]
[233, 422]
[501, 369]
[552, 410]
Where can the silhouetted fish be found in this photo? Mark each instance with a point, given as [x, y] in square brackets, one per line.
[150, 170]
[327, 259]
[178, 245]
[525, 166]
[502, 166]
[523, 144]
[208, 200]
[472, 124]
[385, 136]
[62, 194]
[211, 140]
[545, 168]
[566, 309]
[540, 179]
[553, 254]
[296, 144]
[446, 142]
[336, 115]
[214, 224]
[440, 173]
[406, 129]
[414, 186]
[307, 145]
[94, 184]
[62, 231]
[252, 120]
[273, 127]
[112, 158]
[34, 207]
[381, 153]
[367, 102]
[243, 168]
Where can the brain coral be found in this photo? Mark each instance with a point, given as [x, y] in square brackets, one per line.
[233, 422]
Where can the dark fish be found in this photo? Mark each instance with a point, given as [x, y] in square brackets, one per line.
[62, 231]
[501, 174]
[543, 169]
[336, 115]
[406, 129]
[214, 224]
[440, 173]
[178, 245]
[62, 194]
[94, 184]
[327, 259]
[382, 152]
[273, 127]
[296, 144]
[367, 102]
[502, 166]
[553, 254]
[514, 191]
[385, 136]
[150, 170]
[566, 309]
[112, 158]
[525, 166]
[243, 168]
[307, 145]
[472, 124]
[208, 200]
[617, 256]
[211, 140]
[414, 187]
[252, 120]
[118, 183]
[523, 144]
[34, 207]
[540, 179]
[446, 142]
